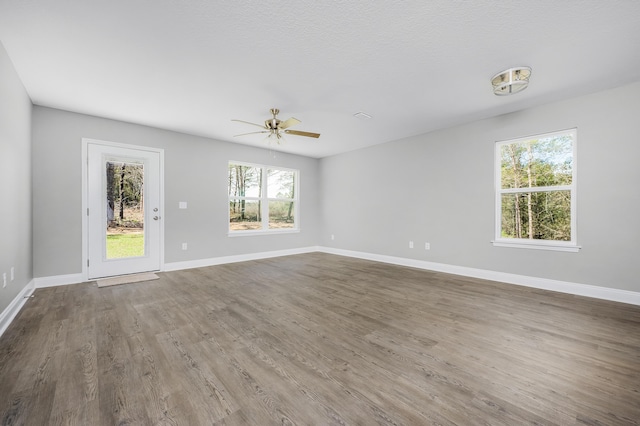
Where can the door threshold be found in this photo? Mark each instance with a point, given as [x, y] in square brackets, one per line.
[127, 279]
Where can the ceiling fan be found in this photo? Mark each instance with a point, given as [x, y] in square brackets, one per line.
[275, 128]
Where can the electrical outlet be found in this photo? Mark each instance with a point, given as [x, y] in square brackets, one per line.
[184, 246]
[410, 244]
[13, 273]
[427, 246]
[333, 237]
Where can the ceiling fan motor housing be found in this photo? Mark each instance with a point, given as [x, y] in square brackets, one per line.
[272, 123]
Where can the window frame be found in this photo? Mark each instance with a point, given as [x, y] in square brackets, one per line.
[555, 245]
[264, 200]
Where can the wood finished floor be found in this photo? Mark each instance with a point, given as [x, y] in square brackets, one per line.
[318, 339]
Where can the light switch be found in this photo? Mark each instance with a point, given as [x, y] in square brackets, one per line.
[182, 205]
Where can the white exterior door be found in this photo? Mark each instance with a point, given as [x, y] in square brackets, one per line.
[124, 233]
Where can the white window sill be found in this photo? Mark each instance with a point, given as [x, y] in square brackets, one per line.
[538, 245]
[269, 232]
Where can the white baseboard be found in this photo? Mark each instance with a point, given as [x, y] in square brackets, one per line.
[597, 292]
[200, 263]
[57, 280]
[605, 293]
[14, 307]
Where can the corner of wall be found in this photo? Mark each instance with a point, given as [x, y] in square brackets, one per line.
[11, 311]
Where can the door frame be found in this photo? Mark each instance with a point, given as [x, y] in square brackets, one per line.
[85, 196]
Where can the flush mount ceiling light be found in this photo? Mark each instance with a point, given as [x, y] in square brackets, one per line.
[511, 81]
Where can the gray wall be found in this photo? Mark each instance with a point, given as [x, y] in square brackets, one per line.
[15, 182]
[438, 188]
[435, 188]
[195, 172]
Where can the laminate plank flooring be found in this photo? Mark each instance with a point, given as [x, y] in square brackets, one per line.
[318, 339]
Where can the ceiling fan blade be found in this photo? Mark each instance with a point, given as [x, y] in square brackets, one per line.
[246, 122]
[251, 133]
[299, 133]
[289, 122]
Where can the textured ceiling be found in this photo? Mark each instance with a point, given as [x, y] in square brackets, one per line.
[415, 66]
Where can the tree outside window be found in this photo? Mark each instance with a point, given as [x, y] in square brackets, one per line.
[262, 198]
[535, 191]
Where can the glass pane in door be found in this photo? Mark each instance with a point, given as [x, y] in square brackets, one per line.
[125, 210]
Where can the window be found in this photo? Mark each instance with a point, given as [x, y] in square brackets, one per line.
[535, 192]
[262, 199]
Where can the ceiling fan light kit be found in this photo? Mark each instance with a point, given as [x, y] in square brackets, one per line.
[511, 81]
[275, 128]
